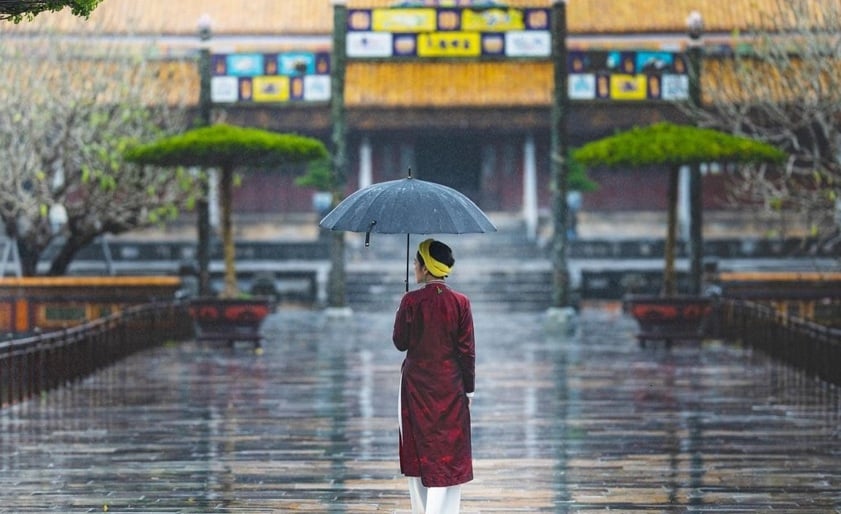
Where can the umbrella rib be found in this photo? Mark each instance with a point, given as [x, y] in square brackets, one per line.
[407, 206]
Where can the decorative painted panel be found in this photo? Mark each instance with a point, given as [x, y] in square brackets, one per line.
[296, 76]
[449, 32]
[627, 75]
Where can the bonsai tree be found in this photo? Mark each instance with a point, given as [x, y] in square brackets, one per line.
[229, 149]
[317, 176]
[674, 146]
[578, 179]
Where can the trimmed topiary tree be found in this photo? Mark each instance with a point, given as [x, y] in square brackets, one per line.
[230, 149]
[672, 145]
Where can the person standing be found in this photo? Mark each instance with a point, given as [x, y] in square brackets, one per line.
[434, 326]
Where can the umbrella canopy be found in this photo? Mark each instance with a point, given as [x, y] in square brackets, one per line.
[407, 206]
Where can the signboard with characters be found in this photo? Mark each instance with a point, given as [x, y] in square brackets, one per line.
[298, 76]
[448, 32]
[627, 75]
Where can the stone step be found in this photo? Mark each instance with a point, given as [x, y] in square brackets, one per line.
[509, 242]
[498, 270]
[521, 287]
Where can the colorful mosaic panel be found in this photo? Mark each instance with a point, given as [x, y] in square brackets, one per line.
[298, 76]
[627, 75]
[448, 32]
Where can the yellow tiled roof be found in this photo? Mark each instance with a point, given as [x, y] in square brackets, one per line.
[443, 84]
[180, 17]
[363, 4]
[651, 16]
[383, 83]
[294, 17]
[475, 84]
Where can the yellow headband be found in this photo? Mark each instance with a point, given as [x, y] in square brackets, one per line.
[435, 267]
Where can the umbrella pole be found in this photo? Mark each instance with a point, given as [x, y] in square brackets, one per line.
[407, 263]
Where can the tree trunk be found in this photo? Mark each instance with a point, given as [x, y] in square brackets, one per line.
[67, 252]
[228, 249]
[669, 275]
[29, 257]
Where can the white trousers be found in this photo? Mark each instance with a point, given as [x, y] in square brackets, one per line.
[434, 500]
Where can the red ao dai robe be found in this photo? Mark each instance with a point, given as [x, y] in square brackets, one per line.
[434, 326]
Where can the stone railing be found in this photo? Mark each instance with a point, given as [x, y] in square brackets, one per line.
[806, 345]
[39, 363]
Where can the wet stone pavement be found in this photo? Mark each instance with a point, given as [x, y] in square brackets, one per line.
[562, 423]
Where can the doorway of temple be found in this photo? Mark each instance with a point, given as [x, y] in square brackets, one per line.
[454, 161]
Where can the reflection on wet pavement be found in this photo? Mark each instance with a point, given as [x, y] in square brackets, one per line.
[581, 423]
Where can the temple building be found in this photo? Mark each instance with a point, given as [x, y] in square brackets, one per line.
[459, 92]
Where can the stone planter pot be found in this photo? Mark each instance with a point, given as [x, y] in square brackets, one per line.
[669, 318]
[230, 319]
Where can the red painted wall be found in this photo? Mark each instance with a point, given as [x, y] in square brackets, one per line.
[501, 181]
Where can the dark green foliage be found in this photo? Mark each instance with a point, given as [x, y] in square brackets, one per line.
[578, 180]
[318, 176]
[229, 147]
[17, 11]
[674, 145]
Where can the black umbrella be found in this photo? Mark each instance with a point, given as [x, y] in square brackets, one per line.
[407, 206]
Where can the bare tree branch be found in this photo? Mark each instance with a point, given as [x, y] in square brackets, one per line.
[68, 108]
[783, 86]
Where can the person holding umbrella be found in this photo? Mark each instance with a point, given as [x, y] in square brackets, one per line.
[434, 326]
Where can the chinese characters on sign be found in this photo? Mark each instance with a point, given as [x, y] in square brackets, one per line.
[448, 32]
[627, 75]
[419, 33]
[277, 77]
[453, 32]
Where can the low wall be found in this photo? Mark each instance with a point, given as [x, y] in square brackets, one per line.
[805, 345]
[32, 304]
[33, 365]
[813, 296]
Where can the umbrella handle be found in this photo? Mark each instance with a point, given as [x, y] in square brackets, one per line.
[368, 234]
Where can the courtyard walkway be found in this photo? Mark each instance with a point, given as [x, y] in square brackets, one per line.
[563, 423]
